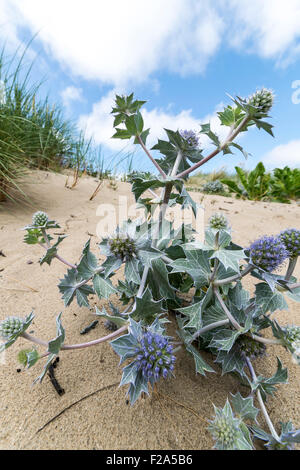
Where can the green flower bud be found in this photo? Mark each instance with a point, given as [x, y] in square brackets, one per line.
[10, 326]
[218, 221]
[39, 219]
[225, 431]
[262, 99]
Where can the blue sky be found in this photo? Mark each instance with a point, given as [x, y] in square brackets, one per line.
[182, 56]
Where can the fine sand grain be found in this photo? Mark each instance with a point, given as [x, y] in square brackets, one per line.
[103, 420]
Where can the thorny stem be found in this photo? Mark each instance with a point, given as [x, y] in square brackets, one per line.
[151, 158]
[65, 347]
[291, 267]
[224, 307]
[261, 402]
[229, 139]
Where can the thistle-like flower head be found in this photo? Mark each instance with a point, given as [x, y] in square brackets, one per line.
[218, 221]
[39, 219]
[291, 240]
[262, 99]
[225, 428]
[268, 253]
[250, 347]
[10, 326]
[191, 138]
[154, 356]
[122, 246]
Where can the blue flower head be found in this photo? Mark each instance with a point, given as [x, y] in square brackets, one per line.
[191, 138]
[291, 240]
[268, 253]
[154, 356]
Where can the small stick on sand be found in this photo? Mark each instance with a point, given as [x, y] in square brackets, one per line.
[75, 403]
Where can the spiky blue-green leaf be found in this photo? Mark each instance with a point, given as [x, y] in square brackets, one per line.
[117, 320]
[244, 407]
[267, 300]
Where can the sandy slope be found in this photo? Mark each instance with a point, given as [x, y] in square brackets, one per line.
[104, 420]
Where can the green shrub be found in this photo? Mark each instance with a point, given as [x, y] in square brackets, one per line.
[285, 184]
[253, 185]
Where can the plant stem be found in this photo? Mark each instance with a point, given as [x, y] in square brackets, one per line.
[212, 326]
[221, 282]
[62, 260]
[143, 282]
[85, 281]
[261, 402]
[291, 267]
[151, 158]
[176, 164]
[224, 307]
[65, 347]
[261, 339]
[46, 237]
[165, 195]
[237, 325]
[35, 340]
[229, 139]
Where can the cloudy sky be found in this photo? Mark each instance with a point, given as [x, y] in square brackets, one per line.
[182, 56]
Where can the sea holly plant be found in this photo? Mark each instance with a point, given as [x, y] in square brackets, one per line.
[169, 276]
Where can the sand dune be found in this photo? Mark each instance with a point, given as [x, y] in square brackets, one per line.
[104, 420]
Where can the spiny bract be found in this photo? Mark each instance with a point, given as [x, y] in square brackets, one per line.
[22, 356]
[191, 138]
[122, 246]
[291, 240]
[268, 253]
[10, 326]
[39, 219]
[262, 99]
[218, 221]
[154, 356]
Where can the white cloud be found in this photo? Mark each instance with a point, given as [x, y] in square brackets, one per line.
[119, 41]
[71, 93]
[99, 123]
[10, 21]
[285, 154]
[269, 28]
